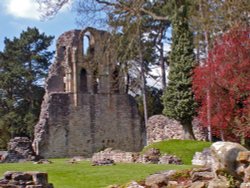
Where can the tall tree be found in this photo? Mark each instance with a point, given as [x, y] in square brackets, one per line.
[23, 65]
[178, 98]
[226, 72]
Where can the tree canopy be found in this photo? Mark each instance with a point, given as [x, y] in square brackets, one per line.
[24, 64]
[226, 73]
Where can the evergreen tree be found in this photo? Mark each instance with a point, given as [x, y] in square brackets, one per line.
[23, 64]
[178, 97]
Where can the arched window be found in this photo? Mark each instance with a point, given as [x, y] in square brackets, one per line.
[86, 44]
[83, 81]
[115, 81]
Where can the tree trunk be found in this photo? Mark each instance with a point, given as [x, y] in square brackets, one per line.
[188, 131]
[143, 79]
[163, 73]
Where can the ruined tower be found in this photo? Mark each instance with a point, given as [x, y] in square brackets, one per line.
[86, 108]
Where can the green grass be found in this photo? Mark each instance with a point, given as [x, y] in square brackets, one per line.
[83, 175]
[184, 149]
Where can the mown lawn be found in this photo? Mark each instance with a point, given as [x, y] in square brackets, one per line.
[82, 175]
[184, 149]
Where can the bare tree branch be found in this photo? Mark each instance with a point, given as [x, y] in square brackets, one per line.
[154, 16]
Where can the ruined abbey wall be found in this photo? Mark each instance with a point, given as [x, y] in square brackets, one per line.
[86, 108]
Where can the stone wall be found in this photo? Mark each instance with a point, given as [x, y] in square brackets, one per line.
[13, 179]
[19, 150]
[82, 111]
[160, 128]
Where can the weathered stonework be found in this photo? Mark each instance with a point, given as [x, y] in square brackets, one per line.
[86, 108]
[160, 128]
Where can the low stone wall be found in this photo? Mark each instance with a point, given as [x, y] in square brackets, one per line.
[25, 180]
[160, 128]
[152, 156]
[117, 156]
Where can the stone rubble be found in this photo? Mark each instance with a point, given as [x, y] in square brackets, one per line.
[25, 180]
[152, 156]
[19, 150]
[228, 168]
[103, 162]
[202, 158]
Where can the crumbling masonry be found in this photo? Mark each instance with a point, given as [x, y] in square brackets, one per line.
[86, 108]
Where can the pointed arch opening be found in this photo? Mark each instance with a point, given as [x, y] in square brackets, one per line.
[86, 44]
[83, 81]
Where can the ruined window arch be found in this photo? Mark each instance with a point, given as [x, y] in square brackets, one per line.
[86, 44]
[115, 81]
[83, 81]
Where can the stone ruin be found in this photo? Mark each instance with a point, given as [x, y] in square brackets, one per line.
[86, 107]
[19, 150]
[13, 179]
[160, 127]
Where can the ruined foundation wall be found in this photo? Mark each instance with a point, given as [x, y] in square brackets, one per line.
[101, 121]
[78, 118]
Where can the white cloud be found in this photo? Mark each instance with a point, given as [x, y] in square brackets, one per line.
[27, 9]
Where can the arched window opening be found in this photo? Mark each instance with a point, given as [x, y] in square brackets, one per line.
[86, 44]
[83, 81]
[115, 81]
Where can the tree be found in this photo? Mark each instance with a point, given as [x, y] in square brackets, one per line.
[154, 102]
[23, 65]
[178, 97]
[226, 73]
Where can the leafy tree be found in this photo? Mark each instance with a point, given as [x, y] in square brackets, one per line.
[154, 103]
[23, 65]
[226, 73]
[178, 97]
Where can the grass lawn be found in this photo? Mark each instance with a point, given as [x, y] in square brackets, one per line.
[82, 175]
[184, 149]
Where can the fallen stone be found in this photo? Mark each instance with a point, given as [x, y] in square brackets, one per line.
[172, 184]
[247, 175]
[243, 157]
[198, 184]
[25, 180]
[224, 155]
[21, 176]
[152, 156]
[157, 180]
[169, 159]
[19, 150]
[43, 161]
[201, 174]
[134, 184]
[202, 158]
[245, 185]
[219, 183]
[103, 162]
[160, 179]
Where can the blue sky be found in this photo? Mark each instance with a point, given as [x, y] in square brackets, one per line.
[17, 15]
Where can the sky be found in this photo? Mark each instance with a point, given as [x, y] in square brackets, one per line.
[17, 15]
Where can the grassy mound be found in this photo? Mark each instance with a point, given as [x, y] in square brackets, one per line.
[82, 175]
[184, 149]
